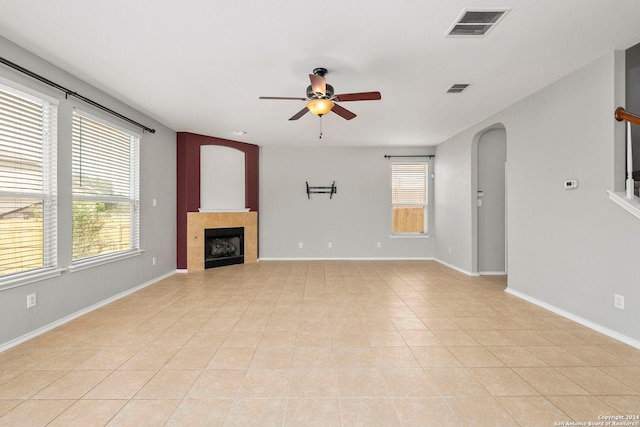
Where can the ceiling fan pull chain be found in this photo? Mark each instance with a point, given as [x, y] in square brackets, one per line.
[320, 137]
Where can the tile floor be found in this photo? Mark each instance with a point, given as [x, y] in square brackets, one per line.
[320, 343]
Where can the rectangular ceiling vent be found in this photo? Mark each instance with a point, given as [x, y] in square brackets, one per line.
[476, 23]
[458, 88]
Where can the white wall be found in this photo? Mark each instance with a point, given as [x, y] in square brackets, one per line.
[570, 249]
[354, 220]
[73, 292]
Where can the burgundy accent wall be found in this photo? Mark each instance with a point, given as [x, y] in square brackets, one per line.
[188, 171]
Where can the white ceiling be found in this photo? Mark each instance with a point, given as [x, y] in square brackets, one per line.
[200, 65]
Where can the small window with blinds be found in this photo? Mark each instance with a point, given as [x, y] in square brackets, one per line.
[28, 202]
[409, 197]
[105, 189]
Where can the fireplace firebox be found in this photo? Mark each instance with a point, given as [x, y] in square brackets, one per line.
[223, 246]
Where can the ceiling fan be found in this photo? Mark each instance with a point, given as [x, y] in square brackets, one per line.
[322, 100]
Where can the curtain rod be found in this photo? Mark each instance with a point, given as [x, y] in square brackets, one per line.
[387, 156]
[69, 92]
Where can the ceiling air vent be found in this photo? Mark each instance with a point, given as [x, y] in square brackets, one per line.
[458, 88]
[476, 23]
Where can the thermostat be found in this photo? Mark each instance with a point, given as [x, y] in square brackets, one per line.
[571, 184]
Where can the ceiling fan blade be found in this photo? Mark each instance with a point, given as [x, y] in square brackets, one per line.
[281, 97]
[318, 84]
[300, 114]
[362, 96]
[343, 112]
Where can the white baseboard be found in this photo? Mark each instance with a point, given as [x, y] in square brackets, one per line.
[492, 273]
[453, 267]
[584, 322]
[182, 271]
[347, 259]
[60, 322]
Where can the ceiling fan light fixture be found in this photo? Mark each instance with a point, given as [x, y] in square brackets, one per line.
[320, 107]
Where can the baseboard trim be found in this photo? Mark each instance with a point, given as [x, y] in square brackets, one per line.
[584, 322]
[492, 273]
[66, 319]
[453, 267]
[347, 259]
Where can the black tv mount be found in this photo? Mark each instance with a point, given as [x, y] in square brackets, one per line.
[322, 190]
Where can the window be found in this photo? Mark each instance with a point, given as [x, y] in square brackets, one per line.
[105, 189]
[27, 183]
[409, 197]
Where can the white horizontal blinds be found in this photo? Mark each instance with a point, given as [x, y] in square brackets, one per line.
[409, 195]
[409, 183]
[27, 182]
[105, 188]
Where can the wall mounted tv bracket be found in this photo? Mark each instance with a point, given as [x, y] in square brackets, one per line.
[322, 190]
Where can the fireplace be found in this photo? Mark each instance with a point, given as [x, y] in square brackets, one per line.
[223, 246]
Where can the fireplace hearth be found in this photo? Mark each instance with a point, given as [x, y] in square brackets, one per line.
[223, 246]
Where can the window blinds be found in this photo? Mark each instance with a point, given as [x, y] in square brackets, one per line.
[409, 183]
[28, 208]
[105, 188]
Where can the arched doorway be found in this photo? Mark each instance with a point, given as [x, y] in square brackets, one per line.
[490, 201]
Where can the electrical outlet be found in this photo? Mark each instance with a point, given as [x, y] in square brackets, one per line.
[154, 260]
[31, 300]
[300, 245]
[618, 301]
[449, 249]
[379, 245]
[330, 245]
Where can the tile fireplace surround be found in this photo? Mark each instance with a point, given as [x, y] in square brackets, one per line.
[197, 222]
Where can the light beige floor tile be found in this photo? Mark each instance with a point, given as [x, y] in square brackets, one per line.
[515, 356]
[89, 413]
[313, 357]
[361, 382]
[420, 338]
[265, 384]
[476, 357]
[480, 411]
[396, 357]
[108, 358]
[121, 384]
[144, 412]
[272, 358]
[582, 408]
[256, 412]
[190, 358]
[456, 382]
[231, 358]
[34, 413]
[321, 383]
[456, 338]
[409, 382]
[425, 412]
[435, 357]
[354, 357]
[169, 384]
[503, 382]
[72, 385]
[347, 342]
[312, 412]
[368, 412]
[242, 339]
[550, 382]
[534, 411]
[596, 382]
[150, 358]
[623, 404]
[204, 413]
[28, 383]
[7, 405]
[217, 384]
[408, 324]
